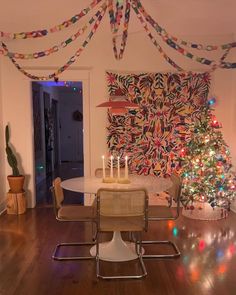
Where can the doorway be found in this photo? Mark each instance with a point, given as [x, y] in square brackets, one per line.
[58, 135]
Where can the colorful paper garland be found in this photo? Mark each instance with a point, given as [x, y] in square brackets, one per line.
[115, 21]
[54, 48]
[57, 28]
[71, 60]
[198, 46]
[171, 41]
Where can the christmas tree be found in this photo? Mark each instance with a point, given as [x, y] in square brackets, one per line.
[206, 165]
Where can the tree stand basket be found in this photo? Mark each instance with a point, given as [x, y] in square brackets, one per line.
[204, 211]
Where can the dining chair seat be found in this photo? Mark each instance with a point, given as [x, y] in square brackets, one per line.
[122, 224]
[73, 212]
[162, 212]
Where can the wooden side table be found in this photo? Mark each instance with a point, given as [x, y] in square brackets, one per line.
[16, 203]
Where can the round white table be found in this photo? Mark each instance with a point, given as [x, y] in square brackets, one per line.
[117, 249]
[90, 185]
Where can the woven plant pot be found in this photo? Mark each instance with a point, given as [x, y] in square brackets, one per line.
[16, 183]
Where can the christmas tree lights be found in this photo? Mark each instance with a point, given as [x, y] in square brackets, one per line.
[206, 166]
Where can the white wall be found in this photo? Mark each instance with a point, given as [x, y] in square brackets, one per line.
[2, 153]
[232, 140]
[223, 87]
[140, 55]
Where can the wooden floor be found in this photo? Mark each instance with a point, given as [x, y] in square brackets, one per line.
[207, 265]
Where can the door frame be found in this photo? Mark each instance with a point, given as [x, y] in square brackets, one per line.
[72, 74]
[56, 156]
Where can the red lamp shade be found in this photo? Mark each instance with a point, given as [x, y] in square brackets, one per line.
[118, 105]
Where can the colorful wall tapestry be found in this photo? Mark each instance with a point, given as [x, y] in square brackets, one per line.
[153, 135]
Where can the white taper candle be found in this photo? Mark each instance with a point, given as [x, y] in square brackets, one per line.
[118, 167]
[103, 167]
[126, 167]
[111, 175]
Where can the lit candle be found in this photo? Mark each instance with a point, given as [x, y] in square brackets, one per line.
[118, 167]
[103, 167]
[126, 167]
[111, 175]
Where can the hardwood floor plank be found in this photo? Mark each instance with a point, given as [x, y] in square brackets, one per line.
[207, 265]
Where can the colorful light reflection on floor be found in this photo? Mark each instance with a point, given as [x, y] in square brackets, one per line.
[206, 256]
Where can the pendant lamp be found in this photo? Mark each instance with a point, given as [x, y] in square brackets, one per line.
[118, 103]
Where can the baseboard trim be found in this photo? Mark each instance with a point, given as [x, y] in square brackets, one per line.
[233, 210]
[2, 208]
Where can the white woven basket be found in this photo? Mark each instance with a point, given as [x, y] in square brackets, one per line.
[204, 211]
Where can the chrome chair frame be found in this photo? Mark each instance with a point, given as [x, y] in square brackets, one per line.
[138, 243]
[176, 252]
[56, 255]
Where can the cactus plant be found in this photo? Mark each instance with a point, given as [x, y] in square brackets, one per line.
[11, 158]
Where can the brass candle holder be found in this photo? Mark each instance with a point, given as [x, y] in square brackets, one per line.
[123, 180]
[108, 180]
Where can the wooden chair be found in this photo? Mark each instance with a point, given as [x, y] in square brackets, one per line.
[122, 210]
[71, 213]
[159, 213]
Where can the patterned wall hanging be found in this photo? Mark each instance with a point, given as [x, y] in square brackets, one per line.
[153, 135]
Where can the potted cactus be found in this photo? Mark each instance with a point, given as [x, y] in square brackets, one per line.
[16, 181]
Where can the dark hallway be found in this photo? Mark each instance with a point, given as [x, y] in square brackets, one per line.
[58, 136]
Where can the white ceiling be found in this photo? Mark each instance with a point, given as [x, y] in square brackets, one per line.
[181, 17]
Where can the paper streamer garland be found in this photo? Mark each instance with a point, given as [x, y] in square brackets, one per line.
[115, 17]
[167, 58]
[170, 41]
[163, 32]
[53, 49]
[71, 60]
[115, 22]
[163, 54]
[57, 28]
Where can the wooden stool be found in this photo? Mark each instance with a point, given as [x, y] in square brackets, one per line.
[16, 203]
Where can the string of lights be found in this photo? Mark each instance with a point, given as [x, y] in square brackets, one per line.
[206, 165]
